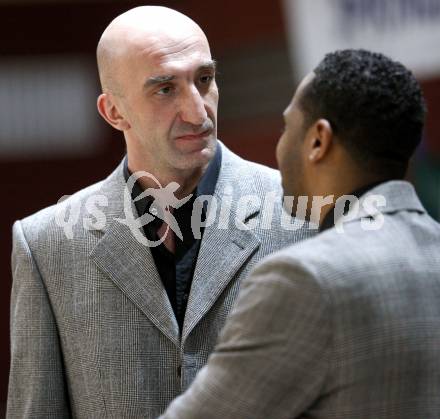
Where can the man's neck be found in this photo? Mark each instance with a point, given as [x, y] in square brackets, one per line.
[187, 179]
[356, 189]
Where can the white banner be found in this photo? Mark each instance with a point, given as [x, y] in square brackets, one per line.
[405, 30]
[48, 106]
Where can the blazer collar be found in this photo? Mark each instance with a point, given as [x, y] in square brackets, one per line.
[224, 249]
[399, 195]
[128, 262]
[386, 197]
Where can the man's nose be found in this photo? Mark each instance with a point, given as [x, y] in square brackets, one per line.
[192, 107]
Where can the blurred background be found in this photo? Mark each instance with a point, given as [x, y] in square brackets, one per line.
[53, 142]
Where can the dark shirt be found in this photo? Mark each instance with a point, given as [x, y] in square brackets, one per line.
[176, 270]
[329, 219]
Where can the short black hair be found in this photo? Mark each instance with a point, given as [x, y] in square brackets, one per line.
[374, 105]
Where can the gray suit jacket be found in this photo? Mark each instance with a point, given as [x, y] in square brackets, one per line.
[338, 326]
[93, 334]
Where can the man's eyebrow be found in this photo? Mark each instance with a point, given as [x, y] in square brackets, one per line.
[152, 81]
[209, 65]
[155, 80]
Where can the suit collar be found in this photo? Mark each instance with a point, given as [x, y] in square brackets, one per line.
[380, 198]
[237, 180]
[234, 179]
[130, 265]
[329, 219]
[128, 262]
[206, 185]
[399, 195]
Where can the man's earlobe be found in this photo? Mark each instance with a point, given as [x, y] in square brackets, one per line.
[315, 150]
[323, 139]
[108, 110]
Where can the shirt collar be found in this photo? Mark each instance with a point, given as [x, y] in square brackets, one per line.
[209, 179]
[206, 185]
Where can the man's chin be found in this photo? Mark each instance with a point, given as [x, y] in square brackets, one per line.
[194, 156]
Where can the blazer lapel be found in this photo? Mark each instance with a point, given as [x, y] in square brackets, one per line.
[221, 256]
[130, 265]
[223, 250]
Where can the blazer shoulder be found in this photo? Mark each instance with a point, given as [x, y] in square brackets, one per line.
[319, 256]
[44, 224]
[356, 257]
[269, 176]
[287, 269]
[264, 177]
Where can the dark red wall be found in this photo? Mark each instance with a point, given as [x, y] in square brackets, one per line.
[231, 26]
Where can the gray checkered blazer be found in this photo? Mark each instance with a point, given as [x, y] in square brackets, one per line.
[341, 326]
[93, 334]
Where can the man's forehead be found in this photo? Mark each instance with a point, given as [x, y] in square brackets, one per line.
[149, 30]
[151, 20]
[299, 90]
[296, 97]
[304, 82]
[158, 63]
[144, 37]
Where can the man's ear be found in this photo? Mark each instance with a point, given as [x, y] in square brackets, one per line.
[320, 140]
[110, 112]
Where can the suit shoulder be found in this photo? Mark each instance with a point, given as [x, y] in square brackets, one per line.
[44, 222]
[259, 169]
[296, 277]
[354, 258]
[267, 174]
[246, 171]
[318, 257]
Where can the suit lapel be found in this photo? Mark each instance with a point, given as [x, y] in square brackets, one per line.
[130, 264]
[223, 251]
[221, 256]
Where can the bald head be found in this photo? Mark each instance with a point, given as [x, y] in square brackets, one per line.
[136, 30]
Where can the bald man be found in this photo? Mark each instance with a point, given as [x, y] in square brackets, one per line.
[119, 292]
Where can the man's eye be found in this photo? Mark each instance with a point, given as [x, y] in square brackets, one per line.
[165, 91]
[206, 79]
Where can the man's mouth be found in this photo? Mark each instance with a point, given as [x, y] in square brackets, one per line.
[198, 136]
